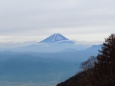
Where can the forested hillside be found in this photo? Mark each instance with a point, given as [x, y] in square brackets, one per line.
[97, 71]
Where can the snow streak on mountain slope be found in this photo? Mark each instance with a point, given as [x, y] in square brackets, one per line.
[55, 38]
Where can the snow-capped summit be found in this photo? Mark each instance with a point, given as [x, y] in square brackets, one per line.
[55, 38]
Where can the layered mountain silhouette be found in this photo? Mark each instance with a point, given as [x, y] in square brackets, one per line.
[56, 57]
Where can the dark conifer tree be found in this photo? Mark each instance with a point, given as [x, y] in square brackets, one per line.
[105, 68]
[107, 54]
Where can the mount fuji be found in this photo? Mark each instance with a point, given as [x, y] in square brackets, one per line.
[53, 43]
[57, 38]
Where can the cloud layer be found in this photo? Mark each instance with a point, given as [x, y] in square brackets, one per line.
[28, 20]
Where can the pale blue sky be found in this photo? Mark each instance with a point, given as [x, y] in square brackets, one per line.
[33, 20]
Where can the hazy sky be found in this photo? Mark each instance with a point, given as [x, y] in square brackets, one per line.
[33, 20]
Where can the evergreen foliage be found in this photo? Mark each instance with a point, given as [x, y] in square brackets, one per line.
[99, 71]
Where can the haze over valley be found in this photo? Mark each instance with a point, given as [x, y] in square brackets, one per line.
[45, 63]
[44, 42]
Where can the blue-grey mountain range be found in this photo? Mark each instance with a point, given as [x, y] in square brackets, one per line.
[45, 63]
